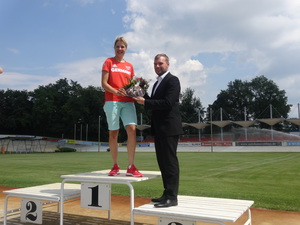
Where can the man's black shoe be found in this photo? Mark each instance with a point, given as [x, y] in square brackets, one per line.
[166, 203]
[162, 198]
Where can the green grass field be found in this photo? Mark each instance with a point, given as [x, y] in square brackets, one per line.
[270, 179]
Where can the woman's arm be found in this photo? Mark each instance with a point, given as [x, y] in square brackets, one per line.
[107, 87]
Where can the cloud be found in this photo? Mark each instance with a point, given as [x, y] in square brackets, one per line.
[14, 51]
[23, 81]
[210, 43]
[88, 2]
[262, 35]
[212, 26]
[86, 72]
[192, 74]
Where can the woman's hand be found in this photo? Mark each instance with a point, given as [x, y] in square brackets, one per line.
[121, 92]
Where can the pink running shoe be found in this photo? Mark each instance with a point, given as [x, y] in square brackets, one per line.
[133, 172]
[114, 171]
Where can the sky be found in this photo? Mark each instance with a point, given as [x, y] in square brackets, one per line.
[210, 42]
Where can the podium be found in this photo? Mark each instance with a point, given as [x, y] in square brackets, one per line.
[96, 186]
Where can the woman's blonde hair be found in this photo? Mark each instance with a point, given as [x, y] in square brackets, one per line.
[122, 39]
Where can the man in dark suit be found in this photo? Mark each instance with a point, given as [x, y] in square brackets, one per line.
[166, 127]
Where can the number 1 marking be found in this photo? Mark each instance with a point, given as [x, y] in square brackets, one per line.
[95, 196]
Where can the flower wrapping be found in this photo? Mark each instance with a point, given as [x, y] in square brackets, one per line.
[135, 91]
[136, 87]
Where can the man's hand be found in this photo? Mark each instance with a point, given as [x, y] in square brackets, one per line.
[140, 100]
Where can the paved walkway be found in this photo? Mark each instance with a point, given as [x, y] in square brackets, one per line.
[227, 149]
[197, 148]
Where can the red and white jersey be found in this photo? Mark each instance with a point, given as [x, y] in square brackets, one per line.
[120, 74]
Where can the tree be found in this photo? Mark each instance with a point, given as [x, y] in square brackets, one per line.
[48, 103]
[15, 112]
[255, 96]
[92, 102]
[233, 101]
[53, 110]
[265, 93]
[190, 108]
[61, 107]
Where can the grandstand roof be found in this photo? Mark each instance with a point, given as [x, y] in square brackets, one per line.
[224, 123]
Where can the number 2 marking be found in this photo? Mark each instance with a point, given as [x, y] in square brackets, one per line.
[31, 207]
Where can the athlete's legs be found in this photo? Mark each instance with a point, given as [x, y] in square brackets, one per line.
[131, 142]
[112, 111]
[113, 145]
[128, 116]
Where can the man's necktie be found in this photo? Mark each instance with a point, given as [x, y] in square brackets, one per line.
[159, 79]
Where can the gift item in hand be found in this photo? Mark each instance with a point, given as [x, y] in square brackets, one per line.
[135, 91]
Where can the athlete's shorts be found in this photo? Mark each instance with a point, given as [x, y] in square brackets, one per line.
[116, 110]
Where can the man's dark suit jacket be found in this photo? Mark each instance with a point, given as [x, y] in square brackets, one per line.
[164, 104]
[166, 127]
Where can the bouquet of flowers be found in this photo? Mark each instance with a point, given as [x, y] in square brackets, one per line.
[136, 87]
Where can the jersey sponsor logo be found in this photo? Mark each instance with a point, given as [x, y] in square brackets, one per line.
[120, 70]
